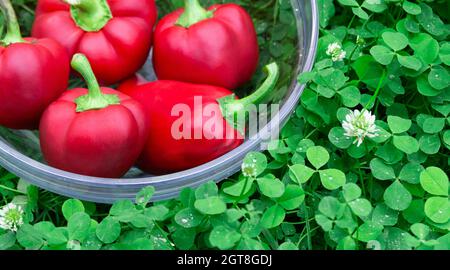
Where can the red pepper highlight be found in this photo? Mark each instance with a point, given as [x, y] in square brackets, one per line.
[217, 46]
[115, 36]
[96, 132]
[192, 124]
[33, 73]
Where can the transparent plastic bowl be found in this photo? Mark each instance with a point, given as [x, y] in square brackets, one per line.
[15, 146]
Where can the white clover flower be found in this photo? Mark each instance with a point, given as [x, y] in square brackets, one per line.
[249, 170]
[360, 125]
[336, 52]
[11, 217]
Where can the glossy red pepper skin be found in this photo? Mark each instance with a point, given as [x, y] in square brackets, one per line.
[33, 74]
[163, 153]
[102, 143]
[116, 51]
[222, 50]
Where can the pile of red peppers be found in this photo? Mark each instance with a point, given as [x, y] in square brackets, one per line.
[186, 118]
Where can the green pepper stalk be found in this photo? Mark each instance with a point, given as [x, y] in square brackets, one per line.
[95, 99]
[90, 15]
[13, 30]
[193, 13]
[232, 108]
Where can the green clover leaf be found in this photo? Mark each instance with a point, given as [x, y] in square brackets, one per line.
[338, 138]
[397, 197]
[429, 21]
[425, 47]
[273, 216]
[350, 96]
[411, 173]
[270, 186]
[361, 207]
[301, 173]
[420, 230]
[415, 212]
[398, 125]
[395, 40]
[384, 215]
[108, 230]
[318, 156]
[332, 178]
[438, 209]
[78, 226]
[409, 61]
[8, 239]
[188, 218]
[241, 187]
[434, 181]
[210, 205]
[331, 207]
[411, 8]
[292, 197]
[71, 207]
[224, 237]
[380, 170]
[406, 144]
[433, 125]
[29, 237]
[287, 246]
[368, 231]
[351, 191]
[444, 53]
[351, 3]
[424, 87]
[439, 77]
[430, 144]
[324, 222]
[123, 210]
[382, 54]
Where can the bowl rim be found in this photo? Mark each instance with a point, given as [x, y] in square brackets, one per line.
[14, 158]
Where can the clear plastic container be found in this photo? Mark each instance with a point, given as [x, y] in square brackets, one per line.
[20, 153]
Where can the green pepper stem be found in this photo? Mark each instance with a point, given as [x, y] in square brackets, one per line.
[193, 13]
[95, 99]
[265, 89]
[231, 107]
[13, 30]
[90, 15]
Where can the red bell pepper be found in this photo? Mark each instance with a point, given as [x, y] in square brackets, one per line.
[97, 132]
[115, 35]
[33, 73]
[192, 124]
[217, 46]
[132, 82]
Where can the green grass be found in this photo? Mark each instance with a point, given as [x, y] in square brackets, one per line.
[314, 188]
